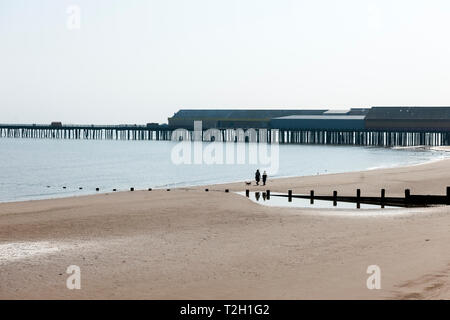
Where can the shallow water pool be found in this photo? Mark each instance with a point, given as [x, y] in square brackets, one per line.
[276, 201]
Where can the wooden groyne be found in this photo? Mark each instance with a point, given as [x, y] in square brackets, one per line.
[409, 200]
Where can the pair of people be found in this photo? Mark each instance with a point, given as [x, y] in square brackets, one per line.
[258, 177]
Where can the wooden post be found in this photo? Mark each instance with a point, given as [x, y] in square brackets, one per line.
[407, 195]
[268, 194]
[247, 193]
[358, 197]
[290, 195]
[448, 195]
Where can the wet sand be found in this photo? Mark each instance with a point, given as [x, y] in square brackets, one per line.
[191, 244]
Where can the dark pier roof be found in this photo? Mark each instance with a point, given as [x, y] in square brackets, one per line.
[375, 118]
[409, 113]
[432, 119]
[198, 114]
[250, 118]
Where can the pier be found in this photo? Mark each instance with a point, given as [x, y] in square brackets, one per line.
[362, 137]
[85, 132]
[377, 126]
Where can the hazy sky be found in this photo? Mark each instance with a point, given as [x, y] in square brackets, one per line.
[136, 61]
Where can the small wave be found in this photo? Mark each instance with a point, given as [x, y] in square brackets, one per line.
[411, 148]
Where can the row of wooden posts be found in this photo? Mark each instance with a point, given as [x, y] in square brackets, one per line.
[131, 189]
[114, 190]
[407, 201]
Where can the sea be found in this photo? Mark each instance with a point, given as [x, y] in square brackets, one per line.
[32, 169]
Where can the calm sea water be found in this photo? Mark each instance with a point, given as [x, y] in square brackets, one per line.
[39, 169]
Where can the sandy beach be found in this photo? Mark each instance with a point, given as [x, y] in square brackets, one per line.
[190, 244]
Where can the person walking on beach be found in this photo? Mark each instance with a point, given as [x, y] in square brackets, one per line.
[257, 177]
[264, 177]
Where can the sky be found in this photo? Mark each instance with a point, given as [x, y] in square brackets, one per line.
[139, 61]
